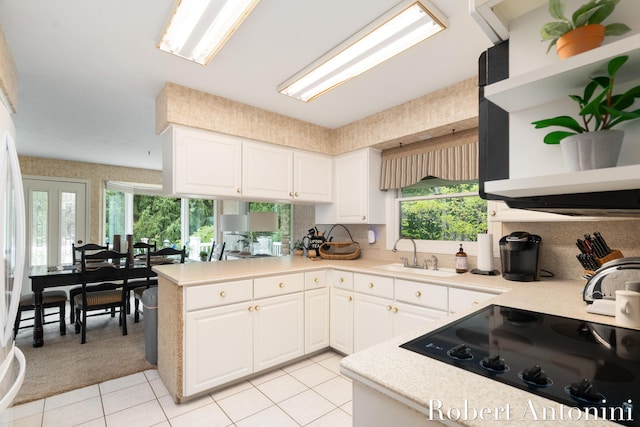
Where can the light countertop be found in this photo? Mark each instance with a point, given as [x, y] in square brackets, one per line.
[406, 376]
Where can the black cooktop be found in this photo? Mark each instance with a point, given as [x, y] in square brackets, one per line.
[587, 365]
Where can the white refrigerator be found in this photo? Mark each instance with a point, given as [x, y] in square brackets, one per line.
[12, 238]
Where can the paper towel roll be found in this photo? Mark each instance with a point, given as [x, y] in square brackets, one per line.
[485, 252]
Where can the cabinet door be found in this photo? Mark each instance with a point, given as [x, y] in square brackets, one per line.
[218, 346]
[312, 177]
[462, 299]
[341, 320]
[316, 320]
[278, 325]
[407, 317]
[267, 171]
[351, 189]
[202, 163]
[372, 321]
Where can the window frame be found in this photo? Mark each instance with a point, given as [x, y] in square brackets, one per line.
[393, 200]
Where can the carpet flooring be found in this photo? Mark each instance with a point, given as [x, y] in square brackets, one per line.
[63, 364]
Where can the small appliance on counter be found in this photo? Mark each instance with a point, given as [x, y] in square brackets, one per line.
[519, 256]
[612, 276]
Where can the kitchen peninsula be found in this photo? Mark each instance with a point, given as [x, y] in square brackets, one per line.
[292, 293]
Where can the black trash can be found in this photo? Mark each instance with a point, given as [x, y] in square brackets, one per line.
[150, 314]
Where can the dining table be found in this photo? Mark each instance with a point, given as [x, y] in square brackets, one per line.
[43, 277]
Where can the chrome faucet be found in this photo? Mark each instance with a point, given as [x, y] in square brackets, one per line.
[415, 252]
[434, 260]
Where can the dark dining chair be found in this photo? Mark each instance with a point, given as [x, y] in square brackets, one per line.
[162, 256]
[217, 251]
[142, 259]
[77, 252]
[50, 299]
[110, 270]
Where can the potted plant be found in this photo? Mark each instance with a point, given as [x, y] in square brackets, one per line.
[584, 31]
[298, 248]
[204, 255]
[593, 140]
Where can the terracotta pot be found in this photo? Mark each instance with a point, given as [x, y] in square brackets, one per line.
[592, 150]
[580, 40]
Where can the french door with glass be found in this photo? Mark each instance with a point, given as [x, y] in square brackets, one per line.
[56, 217]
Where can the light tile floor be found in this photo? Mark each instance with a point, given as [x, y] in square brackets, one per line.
[310, 392]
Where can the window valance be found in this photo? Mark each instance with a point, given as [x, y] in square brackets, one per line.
[452, 157]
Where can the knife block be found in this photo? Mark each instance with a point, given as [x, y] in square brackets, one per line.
[614, 254]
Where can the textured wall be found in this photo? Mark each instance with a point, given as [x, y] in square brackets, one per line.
[431, 115]
[96, 174]
[180, 105]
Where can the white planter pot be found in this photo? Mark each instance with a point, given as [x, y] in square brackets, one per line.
[592, 150]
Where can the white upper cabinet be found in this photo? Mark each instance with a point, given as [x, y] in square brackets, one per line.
[267, 171]
[357, 195]
[275, 173]
[200, 163]
[312, 177]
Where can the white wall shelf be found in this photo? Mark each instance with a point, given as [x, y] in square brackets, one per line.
[607, 179]
[568, 76]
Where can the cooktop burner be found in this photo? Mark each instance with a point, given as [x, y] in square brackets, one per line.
[587, 365]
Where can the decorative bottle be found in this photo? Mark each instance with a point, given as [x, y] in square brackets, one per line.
[461, 261]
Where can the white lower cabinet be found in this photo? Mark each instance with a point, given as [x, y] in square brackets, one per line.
[372, 320]
[218, 346]
[316, 320]
[231, 341]
[237, 328]
[278, 330]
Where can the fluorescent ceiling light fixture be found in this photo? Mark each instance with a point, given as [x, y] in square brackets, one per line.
[402, 27]
[198, 29]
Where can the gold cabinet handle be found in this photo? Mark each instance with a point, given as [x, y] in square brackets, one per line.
[315, 279]
[349, 298]
[296, 194]
[281, 285]
[290, 193]
[364, 217]
[389, 307]
[341, 280]
[371, 285]
[257, 308]
[223, 294]
[250, 308]
[239, 190]
[395, 309]
[418, 294]
[476, 303]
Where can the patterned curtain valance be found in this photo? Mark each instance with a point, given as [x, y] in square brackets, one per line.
[453, 157]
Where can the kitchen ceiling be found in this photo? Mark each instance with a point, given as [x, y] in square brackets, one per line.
[89, 70]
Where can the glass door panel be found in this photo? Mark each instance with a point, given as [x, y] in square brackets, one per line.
[39, 227]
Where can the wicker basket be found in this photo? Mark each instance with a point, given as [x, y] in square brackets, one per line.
[340, 250]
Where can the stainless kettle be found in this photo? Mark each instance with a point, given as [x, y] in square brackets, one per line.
[610, 277]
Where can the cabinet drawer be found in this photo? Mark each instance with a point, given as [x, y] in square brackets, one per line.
[278, 285]
[199, 297]
[373, 285]
[462, 299]
[315, 279]
[423, 294]
[342, 280]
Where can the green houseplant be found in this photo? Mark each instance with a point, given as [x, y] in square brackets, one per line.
[600, 110]
[586, 21]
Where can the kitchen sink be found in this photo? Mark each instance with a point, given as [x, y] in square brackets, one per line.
[441, 272]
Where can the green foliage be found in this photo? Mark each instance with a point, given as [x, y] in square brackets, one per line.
[157, 218]
[593, 12]
[600, 112]
[448, 218]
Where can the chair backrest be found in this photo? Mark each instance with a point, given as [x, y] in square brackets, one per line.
[217, 251]
[170, 252]
[105, 266]
[92, 247]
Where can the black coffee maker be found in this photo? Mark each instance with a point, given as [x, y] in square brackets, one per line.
[519, 256]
